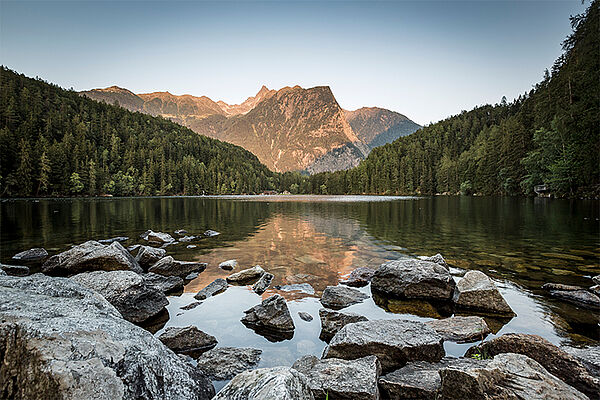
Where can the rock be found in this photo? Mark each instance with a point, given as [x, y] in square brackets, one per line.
[271, 318]
[263, 283]
[148, 256]
[187, 238]
[191, 246]
[59, 339]
[595, 290]
[359, 277]
[157, 237]
[338, 297]
[305, 316]
[167, 284]
[228, 265]
[169, 267]
[333, 321]
[130, 293]
[223, 363]
[191, 276]
[299, 287]
[31, 255]
[413, 279]
[2, 273]
[191, 306]
[211, 233]
[267, 384]
[15, 270]
[476, 291]
[588, 356]
[507, 376]
[341, 379]
[596, 279]
[573, 294]
[438, 259]
[187, 340]
[215, 287]
[460, 329]
[133, 249]
[558, 362]
[246, 276]
[301, 278]
[181, 232]
[395, 342]
[115, 239]
[91, 256]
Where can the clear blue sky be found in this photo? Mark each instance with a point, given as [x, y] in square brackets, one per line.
[425, 59]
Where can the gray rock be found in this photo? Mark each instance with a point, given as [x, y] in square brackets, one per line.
[228, 265]
[181, 232]
[246, 276]
[338, 297]
[35, 254]
[167, 284]
[595, 290]
[305, 316]
[271, 318]
[133, 249]
[191, 306]
[187, 339]
[573, 294]
[59, 339]
[413, 279]
[115, 239]
[596, 279]
[187, 238]
[460, 329]
[169, 267]
[211, 233]
[359, 277]
[2, 273]
[223, 363]
[130, 293]
[394, 342]
[333, 321]
[297, 287]
[15, 270]
[191, 246]
[157, 237]
[263, 283]
[588, 356]
[215, 287]
[191, 276]
[148, 256]
[267, 384]
[91, 256]
[476, 291]
[341, 379]
[438, 259]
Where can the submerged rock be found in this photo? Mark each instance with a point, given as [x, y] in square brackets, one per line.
[91, 256]
[169, 267]
[413, 279]
[61, 339]
[333, 321]
[188, 339]
[246, 276]
[341, 379]
[148, 256]
[573, 294]
[31, 255]
[338, 297]
[166, 284]
[263, 283]
[267, 384]
[191, 276]
[191, 306]
[215, 287]
[157, 237]
[297, 287]
[460, 329]
[223, 363]
[438, 259]
[228, 265]
[359, 277]
[271, 319]
[15, 270]
[476, 291]
[115, 239]
[305, 316]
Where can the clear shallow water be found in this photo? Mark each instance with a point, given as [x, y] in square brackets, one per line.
[521, 243]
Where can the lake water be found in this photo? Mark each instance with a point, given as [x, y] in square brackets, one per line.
[520, 243]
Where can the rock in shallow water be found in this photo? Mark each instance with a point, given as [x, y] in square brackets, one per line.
[573, 294]
[588, 356]
[271, 319]
[167, 284]
[157, 237]
[359, 277]
[15, 270]
[169, 267]
[438, 259]
[228, 265]
[115, 239]
[267, 384]
[222, 363]
[148, 256]
[263, 283]
[305, 316]
[35, 254]
[333, 321]
[58, 337]
[338, 297]
[460, 329]
[187, 339]
[246, 276]
[297, 287]
[476, 291]
[215, 287]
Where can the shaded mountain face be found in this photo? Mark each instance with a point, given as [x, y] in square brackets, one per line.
[377, 126]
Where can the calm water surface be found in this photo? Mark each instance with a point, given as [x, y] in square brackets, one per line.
[521, 243]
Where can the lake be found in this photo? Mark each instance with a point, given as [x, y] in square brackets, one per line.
[520, 243]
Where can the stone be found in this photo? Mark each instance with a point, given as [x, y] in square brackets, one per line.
[169, 267]
[305, 316]
[228, 265]
[263, 283]
[91, 256]
[476, 291]
[460, 329]
[187, 238]
[31, 255]
[148, 256]
[588, 356]
[157, 237]
[130, 293]
[595, 290]
[438, 259]
[215, 287]
[333, 321]
[341, 379]
[15, 270]
[191, 246]
[271, 319]
[596, 279]
[395, 342]
[297, 287]
[211, 233]
[222, 363]
[301, 278]
[167, 284]
[573, 294]
[191, 306]
[267, 384]
[246, 276]
[2, 273]
[181, 232]
[413, 279]
[359, 277]
[558, 362]
[191, 276]
[115, 239]
[59, 339]
[338, 297]
[189, 340]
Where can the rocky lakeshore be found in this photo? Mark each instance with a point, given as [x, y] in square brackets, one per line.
[88, 323]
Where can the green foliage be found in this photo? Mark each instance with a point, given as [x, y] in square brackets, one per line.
[75, 183]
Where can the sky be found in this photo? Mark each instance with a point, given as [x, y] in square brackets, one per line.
[427, 60]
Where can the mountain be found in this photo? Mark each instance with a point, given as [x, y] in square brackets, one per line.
[377, 126]
[247, 105]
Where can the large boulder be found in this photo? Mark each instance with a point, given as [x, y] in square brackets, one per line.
[588, 356]
[114, 239]
[187, 340]
[413, 279]
[31, 255]
[338, 297]
[460, 329]
[167, 284]
[148, 256]
[438, 259]
[222, 363]
[130, 293]
[557, 361]
[359, 277]
[157, 237]
[476, 291]
[395, 342]
[271, 318]
[59, 339]
[15, 270]
[341, 379]
[263, 283]
[169, 267]
[215, 287]
[333, 321]
[91, 256]
[246, 276]
[267, 384]
[573, 294]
